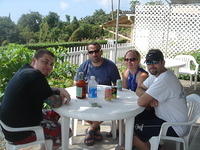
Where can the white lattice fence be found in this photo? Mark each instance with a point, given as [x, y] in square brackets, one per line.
[173, 29]
[184, 28]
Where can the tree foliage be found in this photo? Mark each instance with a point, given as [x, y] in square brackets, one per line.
[52, 19]
[33, 28]
[31, 22]
[99, 17]
[133, 4]
[8, 31]
[155, 2]
[29, 26]
[44, 32]
[86, 31]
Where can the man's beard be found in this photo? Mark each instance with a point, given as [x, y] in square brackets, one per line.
[153, 72]
[96, 60]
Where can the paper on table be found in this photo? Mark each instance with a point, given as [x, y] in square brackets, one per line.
[84, 108]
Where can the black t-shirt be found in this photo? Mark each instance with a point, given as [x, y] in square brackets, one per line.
[23, 100]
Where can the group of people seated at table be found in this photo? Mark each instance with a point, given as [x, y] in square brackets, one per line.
[159, 91]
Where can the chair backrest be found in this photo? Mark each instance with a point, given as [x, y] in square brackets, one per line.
[193, 101]
[188, 60]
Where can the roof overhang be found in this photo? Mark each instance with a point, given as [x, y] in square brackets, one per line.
[183, 1]
[124, 21]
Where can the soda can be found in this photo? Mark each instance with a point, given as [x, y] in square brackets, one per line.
[119, 84]
[108, 94]
[114, 92]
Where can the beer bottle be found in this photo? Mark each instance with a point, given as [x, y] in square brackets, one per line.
[81, 86]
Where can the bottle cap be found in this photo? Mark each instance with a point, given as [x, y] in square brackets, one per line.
[92, 77]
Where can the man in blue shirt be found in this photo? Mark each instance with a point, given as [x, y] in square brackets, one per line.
[104, 70]
[106, 73]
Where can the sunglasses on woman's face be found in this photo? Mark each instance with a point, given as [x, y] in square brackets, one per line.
[130, 59]
[95, 51]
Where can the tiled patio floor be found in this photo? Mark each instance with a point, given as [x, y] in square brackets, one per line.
[106, 144]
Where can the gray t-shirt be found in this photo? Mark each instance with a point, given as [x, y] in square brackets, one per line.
[105, 74]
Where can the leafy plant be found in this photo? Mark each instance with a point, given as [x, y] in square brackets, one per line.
[12, 57]
[64, 72]
[121, 65]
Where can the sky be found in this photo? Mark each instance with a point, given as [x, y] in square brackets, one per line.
[78, 8]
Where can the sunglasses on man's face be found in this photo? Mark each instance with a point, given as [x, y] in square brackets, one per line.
[152, 62]
[130, 59]
[95, 51]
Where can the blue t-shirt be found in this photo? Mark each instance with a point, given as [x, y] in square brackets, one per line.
[106, 74]
[131, 81]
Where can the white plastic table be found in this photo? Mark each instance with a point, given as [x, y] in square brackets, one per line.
[124, 107]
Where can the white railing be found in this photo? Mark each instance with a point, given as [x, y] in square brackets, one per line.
[77, 55]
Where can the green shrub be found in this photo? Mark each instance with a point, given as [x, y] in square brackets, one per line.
[65, 44]
[12, 57]
[64, 72]
[120, 65]
[4, 43]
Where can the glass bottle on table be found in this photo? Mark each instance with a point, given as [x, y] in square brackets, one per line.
[81, 89]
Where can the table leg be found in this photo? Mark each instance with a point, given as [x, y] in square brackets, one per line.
[113, 129]
[176, 71]
[120, 132]
[129, 133]
[65, 122]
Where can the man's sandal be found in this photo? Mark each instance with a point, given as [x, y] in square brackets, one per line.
[109, 134]
[89, 137]
[97, 134]
[119, 147]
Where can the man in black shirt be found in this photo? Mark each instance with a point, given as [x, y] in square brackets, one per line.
[25, 94]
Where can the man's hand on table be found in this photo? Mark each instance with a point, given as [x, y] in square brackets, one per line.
[65, 96]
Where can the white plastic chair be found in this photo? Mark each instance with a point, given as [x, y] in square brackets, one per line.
[40, 140]
[193, 101]
[188, 60]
